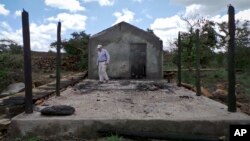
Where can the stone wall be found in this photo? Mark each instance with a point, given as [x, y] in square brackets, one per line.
[47, 62]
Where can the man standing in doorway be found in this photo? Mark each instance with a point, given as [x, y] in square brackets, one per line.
[103, 59]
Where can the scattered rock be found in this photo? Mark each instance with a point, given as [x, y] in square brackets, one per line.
[14, 88]
[221, 86]
[45, 104]
[146, 86]
[39, 83]
[245, 108]
[58, 110]
[85, 85]
[220, 92]
[152, 86]
[126, 100]
[239, 104]
[146, 112]
[17, 100]
[167, 114]
[185, 97]
[125, 83]
[52, 76]
[220, 95]
[205, 92]
[39, 102]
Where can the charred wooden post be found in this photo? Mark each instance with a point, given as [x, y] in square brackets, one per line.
[179, 59]
[197, 59]
[231, 62]
[27, 63]
[58, 59]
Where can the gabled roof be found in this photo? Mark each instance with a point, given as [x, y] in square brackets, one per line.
[126, 27]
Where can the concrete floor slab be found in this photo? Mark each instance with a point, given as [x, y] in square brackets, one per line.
[120, 105]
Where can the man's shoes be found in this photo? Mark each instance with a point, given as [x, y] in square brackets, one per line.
[107, 81]
[100, 82]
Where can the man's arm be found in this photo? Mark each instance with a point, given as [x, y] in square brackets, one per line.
[108, 56]
[97, 61]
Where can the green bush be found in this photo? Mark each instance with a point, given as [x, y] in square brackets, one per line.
[188, 77]
[242, 60]
[114, 138]
[11, 61]
[11, 69]
[4, 79]
[83, 63]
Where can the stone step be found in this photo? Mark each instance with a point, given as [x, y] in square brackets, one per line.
[4, 123]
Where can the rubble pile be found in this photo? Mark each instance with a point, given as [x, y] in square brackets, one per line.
[151, 86]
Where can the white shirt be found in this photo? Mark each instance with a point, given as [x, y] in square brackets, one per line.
[103, 56]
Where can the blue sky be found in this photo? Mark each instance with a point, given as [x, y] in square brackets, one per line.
[93, 16]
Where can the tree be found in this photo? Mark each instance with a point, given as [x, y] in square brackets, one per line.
[242, 33]
[77, 45]
[208, 41]
[242, 42]
[11, 46]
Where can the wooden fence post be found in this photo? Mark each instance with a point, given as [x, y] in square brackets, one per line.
[58, 59]
[179, 59]
[231, 61]
[27, 63]
[197, 60]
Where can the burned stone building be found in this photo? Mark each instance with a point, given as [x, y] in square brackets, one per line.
[134, 53]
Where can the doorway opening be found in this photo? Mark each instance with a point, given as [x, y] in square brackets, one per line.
[138, 60]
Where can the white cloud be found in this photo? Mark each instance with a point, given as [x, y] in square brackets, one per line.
[126, 15]
[5, 26]
[8, 33]
[70, 21]
[243, 15]
[18, 13]
[102, 2]
[3, 10]
[71, 5]
[41, 35]
[213, 7]
[167, 23]
[167, 29]
[193, 10]
[12, 35]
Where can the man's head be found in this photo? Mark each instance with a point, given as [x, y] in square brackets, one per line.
[99, 47]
